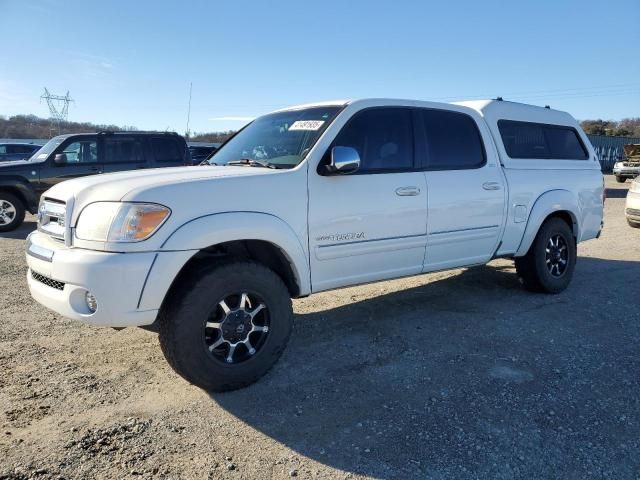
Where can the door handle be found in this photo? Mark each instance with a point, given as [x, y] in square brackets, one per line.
[491, 186]
[407, 191]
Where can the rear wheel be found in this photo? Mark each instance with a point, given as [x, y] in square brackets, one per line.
[549, 264]
[11, 212]
[620, 179]
[227, 326]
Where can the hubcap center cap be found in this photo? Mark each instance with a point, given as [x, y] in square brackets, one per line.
[236, 326]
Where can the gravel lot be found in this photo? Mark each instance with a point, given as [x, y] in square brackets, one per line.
[460, 374]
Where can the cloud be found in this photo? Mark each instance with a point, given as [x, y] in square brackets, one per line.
[232, 118]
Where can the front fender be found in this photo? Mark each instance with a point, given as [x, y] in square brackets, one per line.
[546, 204]
[24, 188]
[213, 229]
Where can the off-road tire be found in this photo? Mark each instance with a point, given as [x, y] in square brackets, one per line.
[620, 179]
[532, 268]
[182, 318]
[19, 211]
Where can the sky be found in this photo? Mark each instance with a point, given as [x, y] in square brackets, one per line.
[131, 62]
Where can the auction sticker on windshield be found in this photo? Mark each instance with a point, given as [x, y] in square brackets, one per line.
[306, 125]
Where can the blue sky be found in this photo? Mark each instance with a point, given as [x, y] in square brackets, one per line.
[130, 62]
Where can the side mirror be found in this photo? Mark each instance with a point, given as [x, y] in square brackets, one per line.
[344, 160]
[60, 158]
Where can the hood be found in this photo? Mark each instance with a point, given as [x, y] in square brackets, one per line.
[15, 163]
[632, 152]
[115, 186]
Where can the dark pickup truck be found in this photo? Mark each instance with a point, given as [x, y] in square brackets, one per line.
[78, 155]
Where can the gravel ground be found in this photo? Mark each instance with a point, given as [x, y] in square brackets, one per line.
[459, 374]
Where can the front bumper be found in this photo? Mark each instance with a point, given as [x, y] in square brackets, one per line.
[63, 275]
[626, 172]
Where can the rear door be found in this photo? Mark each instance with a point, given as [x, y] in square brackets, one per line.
[80, 160]
[122, 152]
[369, 225]
[466, 189]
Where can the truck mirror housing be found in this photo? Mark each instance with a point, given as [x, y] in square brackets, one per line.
[60, 158]
[344, 160]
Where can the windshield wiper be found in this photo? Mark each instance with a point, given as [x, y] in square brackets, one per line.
[252, 163]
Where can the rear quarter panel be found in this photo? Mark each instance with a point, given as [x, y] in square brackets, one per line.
[535, 193]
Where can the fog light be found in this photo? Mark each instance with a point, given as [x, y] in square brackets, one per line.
[92, 303]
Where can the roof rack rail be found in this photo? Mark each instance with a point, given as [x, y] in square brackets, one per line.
[115, 132]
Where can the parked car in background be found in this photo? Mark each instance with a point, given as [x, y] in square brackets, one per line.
[200, 151]
[629, 168]
[10, 152]
[632, 206]
[80, 155]
[308, 199]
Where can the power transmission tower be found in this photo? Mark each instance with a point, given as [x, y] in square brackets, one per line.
[58, 106]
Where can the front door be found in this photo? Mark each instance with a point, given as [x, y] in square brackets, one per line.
[466, 190]
[369, 225]
[80, 158]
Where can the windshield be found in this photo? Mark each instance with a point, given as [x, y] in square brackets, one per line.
[282, 139]
[48, 147]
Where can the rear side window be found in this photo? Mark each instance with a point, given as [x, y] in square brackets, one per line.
[123, 150]
[383, 138]
[538, 140]
[167, 150]
[453, 141]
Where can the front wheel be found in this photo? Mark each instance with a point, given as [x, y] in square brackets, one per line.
[226, 327]
[620, 179]
[549, 264]
[11, 212]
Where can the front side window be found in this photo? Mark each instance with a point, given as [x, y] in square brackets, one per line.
[453, 141]
[81, 152]
[383, 138]
[122, 150]
[281, 139]
[541, 141]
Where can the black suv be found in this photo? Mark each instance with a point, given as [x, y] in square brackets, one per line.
[78, 155]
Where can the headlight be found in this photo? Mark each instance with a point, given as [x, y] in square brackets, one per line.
[617, 165]
[120, 222]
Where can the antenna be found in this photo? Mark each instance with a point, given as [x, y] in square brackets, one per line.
[58, 106]
[189, 110]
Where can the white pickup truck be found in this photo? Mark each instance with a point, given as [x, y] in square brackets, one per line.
[312, 198]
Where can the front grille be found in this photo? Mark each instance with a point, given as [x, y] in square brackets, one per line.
[633, 211]
[49, 282]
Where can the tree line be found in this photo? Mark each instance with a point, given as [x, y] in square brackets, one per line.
[31, 126]
[627, 127]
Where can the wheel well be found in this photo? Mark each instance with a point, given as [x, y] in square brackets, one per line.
[15, 191]
[259, 251]
[568, 218]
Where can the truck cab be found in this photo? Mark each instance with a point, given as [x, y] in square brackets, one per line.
[311, 198]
